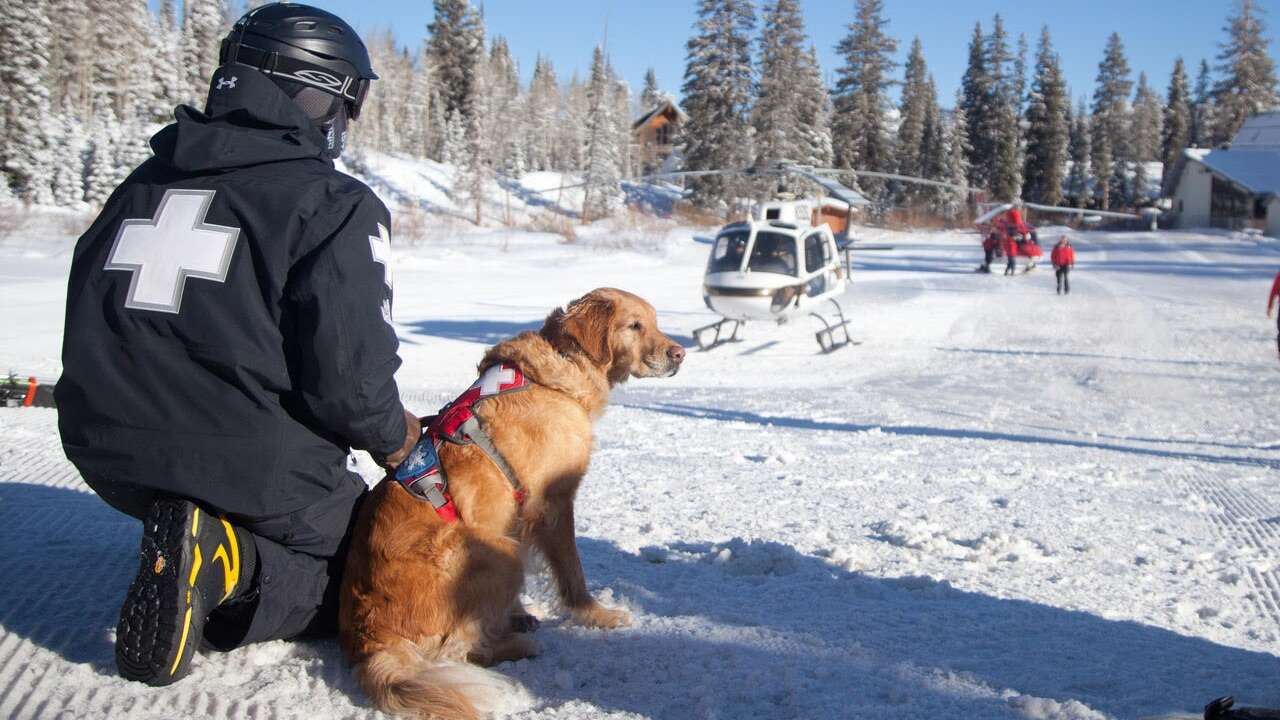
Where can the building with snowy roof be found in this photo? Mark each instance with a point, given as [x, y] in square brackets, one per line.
[655, 134]
[1235, 188]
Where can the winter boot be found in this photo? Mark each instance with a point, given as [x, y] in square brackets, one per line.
[192, 562]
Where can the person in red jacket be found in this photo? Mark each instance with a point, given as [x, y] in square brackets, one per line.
[1063, 258]
[1271, 300]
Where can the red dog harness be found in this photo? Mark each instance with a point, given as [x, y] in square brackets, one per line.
[421, 472]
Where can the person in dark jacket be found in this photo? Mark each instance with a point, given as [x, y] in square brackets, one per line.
[228, 341]
[1063, 258]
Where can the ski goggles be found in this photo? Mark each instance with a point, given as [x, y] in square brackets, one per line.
[352, 89]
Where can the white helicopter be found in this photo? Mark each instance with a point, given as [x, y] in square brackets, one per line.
[787, 259]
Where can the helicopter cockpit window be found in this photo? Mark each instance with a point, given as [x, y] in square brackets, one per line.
[814, 253]
[773, 253]
[728, 252]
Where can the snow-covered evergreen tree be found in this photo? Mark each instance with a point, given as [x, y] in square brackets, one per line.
[1048, 133]
[103, 171]
[1002, 121]
[1081, 150]
[504, 118]
[621, 96]
[1177, 119]
[718, 89]
[570, 138]
[790, 118]
[860, 128]
[454, 148]
[203, 27]
[165, 61]
[975, 104]
[956, 168]
[456, 49]
[1146, 129]
[1110, 126]
[71, 62]
[1247, 83]
[26, 43]
[1202, 109]
[68, 160]
[913, 111]
[651, 95]
[1018, 82]
[603, 157]
[542, 109]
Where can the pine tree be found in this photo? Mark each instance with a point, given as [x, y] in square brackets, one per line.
[202, 31]
[1111, 151]
[71, 62]
[814, 110]
[1177, 120]
[651, 96]
[166, 64]
[454, 148]
[503, 118]
[912, 118]
[1202, 109]
[789, 117]
[1081, 149]
[975, 102]
[956, 167]
[456, 48]
[542, 108]
[1146, 130]
[26, 43]
[1019, 81]
[68, 166]
[103, 173]
[1001, 120]
[860, 129]
[1048, 132]
[717, 96]
[570, 136]
[1248, 84]
[603, 172]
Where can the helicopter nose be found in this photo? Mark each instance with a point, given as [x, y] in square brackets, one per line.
[675, 353]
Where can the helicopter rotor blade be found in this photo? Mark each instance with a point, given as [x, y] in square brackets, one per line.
[900, 178]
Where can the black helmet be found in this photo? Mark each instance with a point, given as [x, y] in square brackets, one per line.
[304, 45]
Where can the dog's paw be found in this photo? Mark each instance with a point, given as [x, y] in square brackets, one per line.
[599, 616]
[523, 622]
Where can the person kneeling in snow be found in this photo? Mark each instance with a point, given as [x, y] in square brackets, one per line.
[1063, 258]
[228, 341]
[1271, 300]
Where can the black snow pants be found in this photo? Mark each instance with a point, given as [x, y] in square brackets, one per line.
[1064, 282]
[300, 560]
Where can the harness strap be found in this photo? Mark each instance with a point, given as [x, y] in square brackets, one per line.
[477, 435]
[423, 476]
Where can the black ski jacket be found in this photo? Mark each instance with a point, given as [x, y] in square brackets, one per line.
[227, 332]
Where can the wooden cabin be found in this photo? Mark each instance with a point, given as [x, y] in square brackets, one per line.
[655, 135]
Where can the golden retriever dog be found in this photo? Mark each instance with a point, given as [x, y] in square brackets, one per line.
[422, 597]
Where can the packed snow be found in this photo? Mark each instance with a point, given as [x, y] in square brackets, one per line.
[1002, 504]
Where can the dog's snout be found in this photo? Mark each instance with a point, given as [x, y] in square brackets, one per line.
[675, 353]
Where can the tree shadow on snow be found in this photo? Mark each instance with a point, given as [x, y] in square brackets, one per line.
[756, 629]
[67, 561]
[780, 421]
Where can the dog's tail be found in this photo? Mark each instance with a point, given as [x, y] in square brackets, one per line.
[412, 681]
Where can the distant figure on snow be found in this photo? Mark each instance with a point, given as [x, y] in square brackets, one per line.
[1010, 253]
[1271, 300]
[1063, 258]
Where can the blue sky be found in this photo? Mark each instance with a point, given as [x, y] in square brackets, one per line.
[653, 33]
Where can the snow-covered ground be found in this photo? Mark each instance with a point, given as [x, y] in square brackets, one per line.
[1003, 503]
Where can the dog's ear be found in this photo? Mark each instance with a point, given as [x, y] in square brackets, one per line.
[588, 321]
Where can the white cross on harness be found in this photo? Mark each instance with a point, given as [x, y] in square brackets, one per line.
[169, 248]
[494, 378]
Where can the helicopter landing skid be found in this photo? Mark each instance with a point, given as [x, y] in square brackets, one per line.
[826, 337]
[718, 327]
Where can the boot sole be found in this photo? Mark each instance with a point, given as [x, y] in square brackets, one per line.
[161, 617]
